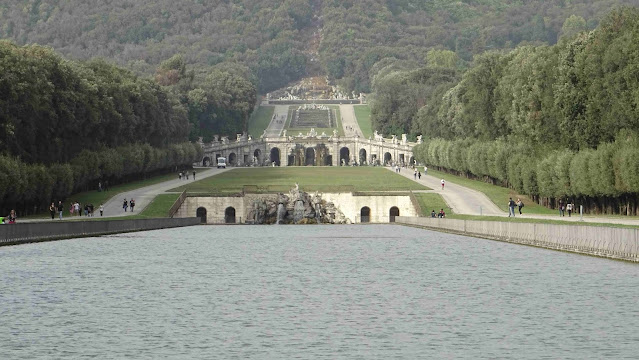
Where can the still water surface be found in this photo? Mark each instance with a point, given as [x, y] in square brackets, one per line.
[312, 292]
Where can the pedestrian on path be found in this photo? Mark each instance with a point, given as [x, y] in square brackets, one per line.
[561, 207]
[415, 174]
[569, 208]
[180, 175]
[419, 175]
[511, 208]
[101, 209]
[425, 170]
[193, 175]
[132, 203]
[60, 208]
[443, 183]
[52, 210]
[125, 205]
[520, 205]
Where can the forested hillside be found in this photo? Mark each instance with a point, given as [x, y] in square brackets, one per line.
[280, 41]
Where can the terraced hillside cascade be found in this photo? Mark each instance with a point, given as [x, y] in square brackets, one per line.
[313, 116]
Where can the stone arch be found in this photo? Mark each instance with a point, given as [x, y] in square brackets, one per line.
[201, 213]
[362, 156]
[291, 160]
[229, 215]
[394, 211]
[345, 156]
[365, 214]
[309, 156]
[206, 161]
[275, 156]
[257, 154]
[411, 160]
[232, 159]
[402, 159]
[388, 159]
[328, 160]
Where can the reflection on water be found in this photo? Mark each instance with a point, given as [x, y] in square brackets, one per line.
[280, 292]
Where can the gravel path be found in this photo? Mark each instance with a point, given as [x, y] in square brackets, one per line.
[349, 121]
[278, 122]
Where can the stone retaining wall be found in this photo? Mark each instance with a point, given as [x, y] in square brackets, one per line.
[23, 233]
[610, 242]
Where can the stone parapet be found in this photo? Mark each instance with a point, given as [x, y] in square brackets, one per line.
[609, 242]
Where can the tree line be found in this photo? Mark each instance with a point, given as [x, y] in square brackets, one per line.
[548, 121]
[30, 187]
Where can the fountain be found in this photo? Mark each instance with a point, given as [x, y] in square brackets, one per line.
[281, 211]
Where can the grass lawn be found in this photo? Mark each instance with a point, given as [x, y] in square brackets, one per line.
[431, 201]
[259, 120]
[282, 179]
[96, 198]
[499, 195]
[363, 116]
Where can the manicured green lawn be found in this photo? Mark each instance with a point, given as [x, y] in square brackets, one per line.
[430, 201]
[363, 115]
[259, 120]
[499, 195]
[282, 179]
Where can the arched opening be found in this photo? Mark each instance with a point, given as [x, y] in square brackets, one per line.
[275, 156]
[394, 211]
[232, 159]
[206, 161]
[362, 156]
[388, 159]
[328, 160]
[291, 160]
[344, 156]
[412, 160]
[310, 157]
[257, 153]
[365, 214]
[229, 215]
[402, 160]
[201, 213]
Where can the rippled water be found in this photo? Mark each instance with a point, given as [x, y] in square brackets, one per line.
[312, 292]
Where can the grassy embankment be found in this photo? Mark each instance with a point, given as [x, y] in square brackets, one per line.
[363, 116]
[431, 201]
[292, 131]
[259, 120]
[499, 195]
[324, 179]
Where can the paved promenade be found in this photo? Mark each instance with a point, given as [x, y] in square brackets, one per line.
[349, 121]
[278, 122]
[465, 201]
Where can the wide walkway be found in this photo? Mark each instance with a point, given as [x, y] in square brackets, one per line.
[349, 121]
[465, 201]
[278, 121]
[144, 196]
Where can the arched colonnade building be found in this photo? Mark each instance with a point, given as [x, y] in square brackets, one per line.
[309, 150]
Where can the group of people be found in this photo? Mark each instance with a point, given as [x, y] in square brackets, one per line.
[440, 214]
[74, 209]
[511, 206]
[127, 204]
[417, 174]
[185, 175]
[566, 208]
[9, 219]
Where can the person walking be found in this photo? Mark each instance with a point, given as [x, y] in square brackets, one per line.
[193, 175]
[132, 204]
[125, 205]
[12, 217]
[415, 174]
[520, 205]
[52, 210]
[561, 207]
[443, 183]
[419, 175]
[101, 209]
[569, 209]
[60, 208]
[425, 170]
[511, 208]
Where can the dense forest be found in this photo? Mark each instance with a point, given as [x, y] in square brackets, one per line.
[553, 122]
[281, 41]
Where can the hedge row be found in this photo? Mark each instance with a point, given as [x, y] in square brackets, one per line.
[610, 170]
[36, 185]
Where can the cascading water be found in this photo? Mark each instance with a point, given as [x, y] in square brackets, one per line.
[280, 213]
[298, 211]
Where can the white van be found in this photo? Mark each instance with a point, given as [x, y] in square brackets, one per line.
[221, 162]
